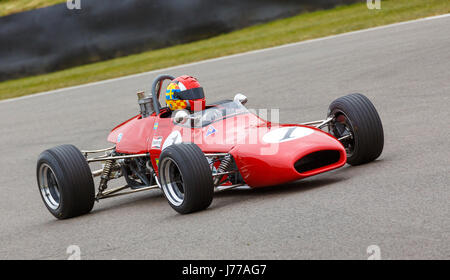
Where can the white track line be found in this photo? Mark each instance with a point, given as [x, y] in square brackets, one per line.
[227, 57]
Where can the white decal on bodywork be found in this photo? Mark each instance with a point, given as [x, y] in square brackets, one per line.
[285, 134]
[173, 138]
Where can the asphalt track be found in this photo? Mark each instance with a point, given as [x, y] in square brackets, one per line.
[399, 203]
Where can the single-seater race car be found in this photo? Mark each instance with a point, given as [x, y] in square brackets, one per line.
[191, 155]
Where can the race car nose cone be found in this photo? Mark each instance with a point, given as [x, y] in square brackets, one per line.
[285, 154]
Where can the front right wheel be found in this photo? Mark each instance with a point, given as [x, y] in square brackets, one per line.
[186, 178]
[358, 126]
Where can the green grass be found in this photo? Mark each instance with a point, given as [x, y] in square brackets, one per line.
[294, 29]
[8, 7]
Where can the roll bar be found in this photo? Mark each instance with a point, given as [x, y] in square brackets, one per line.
[156, 90]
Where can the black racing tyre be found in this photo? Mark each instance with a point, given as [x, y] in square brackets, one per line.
[65, 182]
[354, 114]
[186, 178]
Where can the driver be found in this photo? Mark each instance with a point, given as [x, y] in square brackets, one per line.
[185, 92]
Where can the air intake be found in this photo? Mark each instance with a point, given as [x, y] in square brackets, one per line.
[145, 104]
[317, 160]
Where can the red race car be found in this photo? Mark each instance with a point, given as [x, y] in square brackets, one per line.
[191, 154]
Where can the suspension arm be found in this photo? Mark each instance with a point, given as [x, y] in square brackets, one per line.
[102, 158]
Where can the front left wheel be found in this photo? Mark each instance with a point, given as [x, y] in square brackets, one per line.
[186, 178]
[65, 182]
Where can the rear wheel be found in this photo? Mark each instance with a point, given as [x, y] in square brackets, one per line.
[65, 182]
[186, 178]
[358, 126]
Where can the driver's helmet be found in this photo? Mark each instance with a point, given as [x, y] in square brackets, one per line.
[185, 92]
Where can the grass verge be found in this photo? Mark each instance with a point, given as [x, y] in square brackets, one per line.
[8, 7]
[298, 28]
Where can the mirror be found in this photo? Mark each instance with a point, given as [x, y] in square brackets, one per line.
[240, 98]
[180, 117]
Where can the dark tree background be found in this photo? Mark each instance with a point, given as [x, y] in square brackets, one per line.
[55, 37]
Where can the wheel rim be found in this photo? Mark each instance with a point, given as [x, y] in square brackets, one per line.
[172, 181]
[48, 185]
[342, 126]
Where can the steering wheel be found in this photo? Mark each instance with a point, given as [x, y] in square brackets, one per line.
[156, 91]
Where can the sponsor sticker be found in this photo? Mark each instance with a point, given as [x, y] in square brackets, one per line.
[156, 143]
[119, 137]
[155, 126]
[211, 130]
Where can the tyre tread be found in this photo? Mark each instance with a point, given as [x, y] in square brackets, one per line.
[366, 124]
[75, 180]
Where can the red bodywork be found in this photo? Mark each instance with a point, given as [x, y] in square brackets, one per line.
[260, 163]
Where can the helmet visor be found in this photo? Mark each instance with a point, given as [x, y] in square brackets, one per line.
[190, 94]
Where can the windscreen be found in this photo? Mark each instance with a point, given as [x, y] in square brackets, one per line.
[216, 113]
